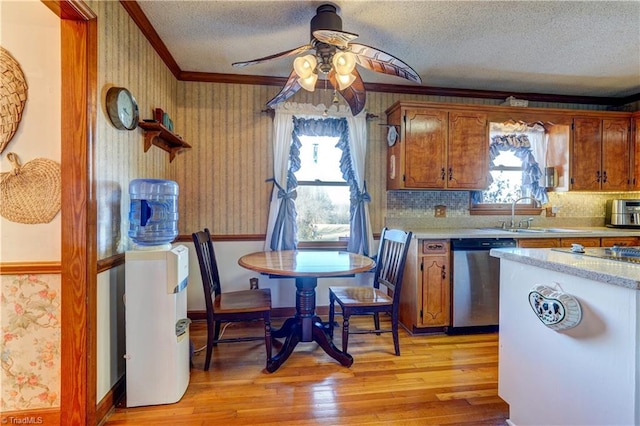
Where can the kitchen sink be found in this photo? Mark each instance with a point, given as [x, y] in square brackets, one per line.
[535, 230]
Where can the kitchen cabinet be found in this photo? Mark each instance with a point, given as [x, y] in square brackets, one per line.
[438, 148]
[635, 158]
[619, 241]
[539, 243]
[584, 241]
[599, 154]
[425, 298]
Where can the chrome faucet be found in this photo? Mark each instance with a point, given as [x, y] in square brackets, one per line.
[513, 208]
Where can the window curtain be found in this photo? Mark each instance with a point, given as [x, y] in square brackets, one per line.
[520, 145]
[531, 149]
[290, 122]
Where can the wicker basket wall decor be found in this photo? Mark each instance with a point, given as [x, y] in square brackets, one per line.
[13, 96]
[30, 193]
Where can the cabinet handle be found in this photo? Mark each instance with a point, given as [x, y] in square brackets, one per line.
[444, 272]
[450, 173]
[434, 246]
[604, 176]
[442, 173]
[598, 176]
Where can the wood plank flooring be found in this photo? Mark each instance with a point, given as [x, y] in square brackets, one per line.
[437, 380]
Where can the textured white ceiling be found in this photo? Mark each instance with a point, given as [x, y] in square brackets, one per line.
[582, 48]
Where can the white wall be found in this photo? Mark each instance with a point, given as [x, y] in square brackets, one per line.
[31, 33]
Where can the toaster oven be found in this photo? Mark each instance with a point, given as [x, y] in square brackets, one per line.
[622, 213]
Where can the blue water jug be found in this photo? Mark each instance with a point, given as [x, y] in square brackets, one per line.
[153, 213]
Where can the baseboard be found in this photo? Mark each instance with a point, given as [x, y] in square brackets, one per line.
[45, 416]
[111, 399]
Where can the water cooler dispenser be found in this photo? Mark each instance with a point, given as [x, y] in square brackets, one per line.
[156, 275]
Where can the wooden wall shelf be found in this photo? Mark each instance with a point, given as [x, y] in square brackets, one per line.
[158, 135]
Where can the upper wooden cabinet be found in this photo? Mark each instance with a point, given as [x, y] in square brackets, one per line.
[600, 154]
[635, 158]
[438, 149]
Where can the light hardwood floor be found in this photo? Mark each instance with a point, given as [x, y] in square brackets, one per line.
[437, 380]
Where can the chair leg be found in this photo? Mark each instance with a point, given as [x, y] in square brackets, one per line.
[267, 337]
[394, 331]
[376, 321]
[210, 343]
[332, 313]
[217, 333]
[345, 330]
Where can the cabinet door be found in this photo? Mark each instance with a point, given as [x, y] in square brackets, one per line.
[539, 243]
[436, 291]
[586, 156]
[468, 151]
[619, 241]
[635, 160]
[425, 139]
[584, 241]
[615, 154]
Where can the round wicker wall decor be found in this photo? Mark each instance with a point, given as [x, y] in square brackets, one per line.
[30, 193]
[13, 96]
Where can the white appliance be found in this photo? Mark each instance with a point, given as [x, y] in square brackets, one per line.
[156, 325]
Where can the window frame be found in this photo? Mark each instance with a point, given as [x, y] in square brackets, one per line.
[329, 245]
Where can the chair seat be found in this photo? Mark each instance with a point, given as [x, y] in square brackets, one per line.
[243, 301]
[355, 296]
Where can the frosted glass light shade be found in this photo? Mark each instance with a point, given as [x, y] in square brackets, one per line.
[305, 66]
[344, 62]
[345, 80]
[309, 83]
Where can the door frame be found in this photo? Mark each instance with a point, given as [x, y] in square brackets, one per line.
[79, 47]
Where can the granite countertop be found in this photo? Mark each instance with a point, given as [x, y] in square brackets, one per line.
[582, 232]
[602, 270]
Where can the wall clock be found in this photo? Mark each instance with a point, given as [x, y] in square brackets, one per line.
[122, 108]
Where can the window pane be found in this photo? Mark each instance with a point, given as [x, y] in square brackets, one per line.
[320, 159]
[323, 212]
[505, 188]
[507, 159]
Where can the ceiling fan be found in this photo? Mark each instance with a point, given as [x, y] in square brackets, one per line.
[336, 57]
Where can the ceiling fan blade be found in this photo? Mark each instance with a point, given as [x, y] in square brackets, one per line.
[354, 95]
[382, 62]
[291, 52]
[334, 37]
[288, 90]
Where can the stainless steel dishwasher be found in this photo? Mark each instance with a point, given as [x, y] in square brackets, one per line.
[476, 284]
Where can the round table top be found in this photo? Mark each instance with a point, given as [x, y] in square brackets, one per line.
[306, 263]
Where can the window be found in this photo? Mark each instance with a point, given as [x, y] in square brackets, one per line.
[506, 185]
[322, 200]
[515, 171]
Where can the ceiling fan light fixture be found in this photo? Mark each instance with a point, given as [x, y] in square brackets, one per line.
[345, 80]
[344, 62]
[309, 83]
[305, 66]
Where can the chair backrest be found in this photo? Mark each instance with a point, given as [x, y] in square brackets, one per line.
[208, 266]
[392, 255]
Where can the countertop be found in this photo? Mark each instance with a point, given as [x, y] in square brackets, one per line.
[582, 232]
[602, 270]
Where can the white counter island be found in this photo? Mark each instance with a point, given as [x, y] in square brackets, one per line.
[585, 375]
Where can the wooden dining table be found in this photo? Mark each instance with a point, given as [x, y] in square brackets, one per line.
[306, 266]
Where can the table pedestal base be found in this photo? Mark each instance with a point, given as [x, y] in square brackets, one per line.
[306, 326]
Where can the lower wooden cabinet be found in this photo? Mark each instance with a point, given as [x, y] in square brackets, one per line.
[619, 241]
[425, 298]
[584, 241]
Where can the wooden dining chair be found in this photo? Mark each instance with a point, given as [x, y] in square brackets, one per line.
[392, 255]
[243, 305]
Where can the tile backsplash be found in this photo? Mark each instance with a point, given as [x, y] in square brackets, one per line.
[416, 209]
